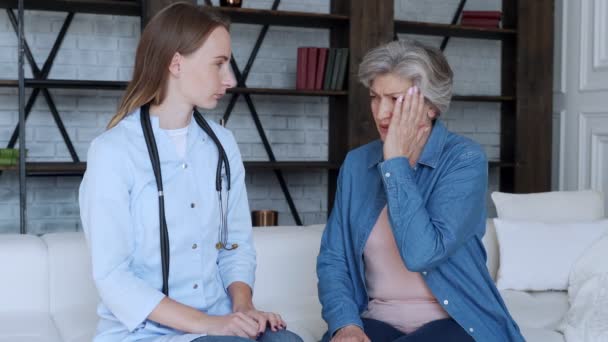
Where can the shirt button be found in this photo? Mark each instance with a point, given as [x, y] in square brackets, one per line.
[192, 205]
[194, 246]
[388, 174]
[471, 330]
[184, 166]
[445, 302]
[195, 286]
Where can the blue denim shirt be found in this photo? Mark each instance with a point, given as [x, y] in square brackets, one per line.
[437, 213]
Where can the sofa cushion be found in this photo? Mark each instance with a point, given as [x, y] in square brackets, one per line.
[490, 243]
[538, 256]
[24, 265]
[76, 326]
[540, 310]
[556, 206]
[291, 254]
[541, 335]
[28, 327]
[310, 330]
[286, 277]
[71, 283]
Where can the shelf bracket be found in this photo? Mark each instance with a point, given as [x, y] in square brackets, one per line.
[457, 15]
[241, 79]
[43, 75]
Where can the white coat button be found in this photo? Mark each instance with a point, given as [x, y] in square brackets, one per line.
[471, 330]
[445, 302]
[423, 272]
[388, 174]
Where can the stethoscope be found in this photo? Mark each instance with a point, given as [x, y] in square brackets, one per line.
[154, 158]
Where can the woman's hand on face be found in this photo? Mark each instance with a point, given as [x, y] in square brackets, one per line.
[350, 333]
[264, 319]
[409, 128]
[234, 324]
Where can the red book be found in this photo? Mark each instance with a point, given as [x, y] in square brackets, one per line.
[490, 23]
[311, 67]
[482, 14]
[321, 62]
[301, 68]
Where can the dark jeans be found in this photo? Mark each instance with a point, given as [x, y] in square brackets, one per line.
[443, 330]
[267, 336]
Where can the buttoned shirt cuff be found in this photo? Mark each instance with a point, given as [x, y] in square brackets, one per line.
[396, 172]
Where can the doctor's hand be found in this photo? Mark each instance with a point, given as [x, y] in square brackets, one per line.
[409, 128]
[350, 333]
[274, 321]
[235, 324]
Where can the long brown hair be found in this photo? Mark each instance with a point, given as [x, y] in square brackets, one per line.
[179, 28]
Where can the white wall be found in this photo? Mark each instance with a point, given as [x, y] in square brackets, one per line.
[581, 95]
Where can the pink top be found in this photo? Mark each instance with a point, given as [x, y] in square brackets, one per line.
[397, 296]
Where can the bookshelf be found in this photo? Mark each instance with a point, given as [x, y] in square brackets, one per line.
[361, 25]
[526, 82]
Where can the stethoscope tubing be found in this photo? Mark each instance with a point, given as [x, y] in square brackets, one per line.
[155, 160]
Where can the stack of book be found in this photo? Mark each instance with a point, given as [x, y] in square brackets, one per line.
[9, 156]
[321, 68]
[485, 19]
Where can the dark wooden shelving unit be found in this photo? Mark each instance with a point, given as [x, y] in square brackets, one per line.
[285, 18]
[109, 7]
[525, 100]
[448, 30]
[121, 85]
[46, 169]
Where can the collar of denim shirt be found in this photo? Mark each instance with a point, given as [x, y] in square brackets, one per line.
[430, 153]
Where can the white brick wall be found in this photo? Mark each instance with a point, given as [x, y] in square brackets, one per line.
[102, 48]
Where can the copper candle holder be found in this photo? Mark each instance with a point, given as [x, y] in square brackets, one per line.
[264, 218]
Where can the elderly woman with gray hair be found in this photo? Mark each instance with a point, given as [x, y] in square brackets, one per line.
[401, 257]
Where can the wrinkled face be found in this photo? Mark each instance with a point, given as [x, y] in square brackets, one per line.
[384, 91]
[203, 76]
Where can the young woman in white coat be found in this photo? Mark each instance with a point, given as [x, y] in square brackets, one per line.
[163, 200]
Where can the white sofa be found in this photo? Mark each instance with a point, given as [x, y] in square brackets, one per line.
[47, 293]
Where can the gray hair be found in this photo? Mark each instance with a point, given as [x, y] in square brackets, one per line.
[425, 66]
